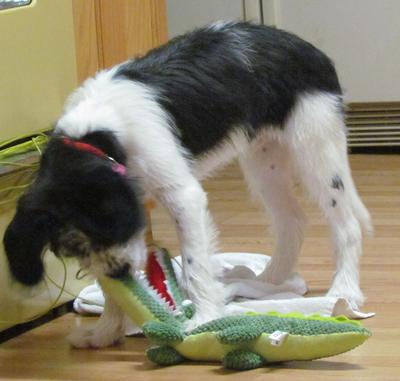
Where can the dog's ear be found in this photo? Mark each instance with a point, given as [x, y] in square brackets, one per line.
[24, 242]
[107, 208]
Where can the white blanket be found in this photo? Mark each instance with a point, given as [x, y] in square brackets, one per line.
[240, 272]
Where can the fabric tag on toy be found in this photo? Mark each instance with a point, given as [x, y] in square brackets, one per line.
[277, 338]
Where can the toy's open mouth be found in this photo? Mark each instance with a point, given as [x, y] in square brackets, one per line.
[160, 281]
[156, 277]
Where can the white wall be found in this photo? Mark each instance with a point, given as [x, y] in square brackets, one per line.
[184, 15]
[361, 36]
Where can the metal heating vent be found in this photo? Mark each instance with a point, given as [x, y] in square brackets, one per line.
[373, 124]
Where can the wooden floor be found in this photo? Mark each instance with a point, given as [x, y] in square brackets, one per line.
[44, 354]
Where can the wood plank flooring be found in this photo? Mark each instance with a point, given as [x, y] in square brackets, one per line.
[43, 353]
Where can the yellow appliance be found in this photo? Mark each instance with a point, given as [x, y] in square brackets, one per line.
[37, 72]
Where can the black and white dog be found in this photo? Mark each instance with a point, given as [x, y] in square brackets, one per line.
[158, 125]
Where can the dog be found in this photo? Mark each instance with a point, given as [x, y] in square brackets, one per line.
[158, 125]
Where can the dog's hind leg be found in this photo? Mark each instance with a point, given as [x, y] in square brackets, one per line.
[266, 168]
[316, 137]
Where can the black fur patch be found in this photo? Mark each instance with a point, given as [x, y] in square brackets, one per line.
[77, 204]
[108, 143]
[70, 242]
[333, 203]
[120, 272]
[337, 183]
[24, 240]
[241, 74]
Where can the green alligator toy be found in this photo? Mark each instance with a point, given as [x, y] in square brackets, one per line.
[155, 302]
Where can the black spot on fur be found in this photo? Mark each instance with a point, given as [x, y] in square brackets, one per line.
[337, 183]
[189, 260]
[333, 203]
[240, 74]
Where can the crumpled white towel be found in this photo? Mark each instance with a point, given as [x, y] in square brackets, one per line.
[240, 272]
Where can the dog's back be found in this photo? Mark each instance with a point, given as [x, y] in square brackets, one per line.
[229, 75]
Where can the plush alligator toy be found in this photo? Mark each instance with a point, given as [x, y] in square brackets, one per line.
[155, 302]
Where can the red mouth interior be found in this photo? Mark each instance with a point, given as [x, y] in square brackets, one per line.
[156, 277]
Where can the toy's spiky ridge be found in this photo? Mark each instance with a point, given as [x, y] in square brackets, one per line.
[239, 342]
[271, 323]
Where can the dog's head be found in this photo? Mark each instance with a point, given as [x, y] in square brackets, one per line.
[81, 202]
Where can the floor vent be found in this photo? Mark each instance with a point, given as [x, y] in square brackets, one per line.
[373, 124]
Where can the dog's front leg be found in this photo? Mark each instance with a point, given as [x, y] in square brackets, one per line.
[187, 204]
[109, 329]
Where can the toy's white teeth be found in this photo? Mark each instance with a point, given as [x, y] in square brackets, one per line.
[161, 261]
[142, 279]
[151, 290]
[140, 275]
[161, 299]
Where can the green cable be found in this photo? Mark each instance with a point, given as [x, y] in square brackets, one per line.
[24, 165]
[23, 186]
[36, 143]
[10, 141]
[52, 305]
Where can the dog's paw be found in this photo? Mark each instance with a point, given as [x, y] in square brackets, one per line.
[95, 338]
[352, 294]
